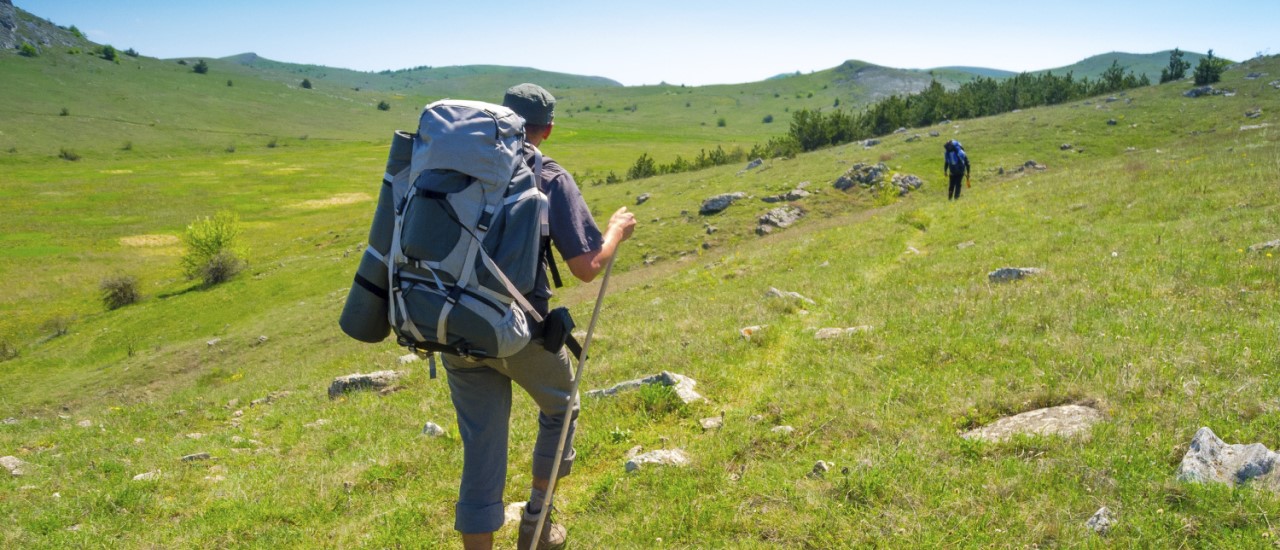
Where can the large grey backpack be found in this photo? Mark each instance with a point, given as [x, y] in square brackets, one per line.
[456, 238]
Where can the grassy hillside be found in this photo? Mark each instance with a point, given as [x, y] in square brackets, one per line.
[1151, 308]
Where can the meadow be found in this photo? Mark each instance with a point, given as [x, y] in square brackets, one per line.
[1152, 308]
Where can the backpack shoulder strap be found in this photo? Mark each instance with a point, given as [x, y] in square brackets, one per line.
[538, 163]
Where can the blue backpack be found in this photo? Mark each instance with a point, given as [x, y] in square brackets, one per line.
[955, 157]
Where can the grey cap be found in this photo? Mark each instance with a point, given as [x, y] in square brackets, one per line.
[532, 102]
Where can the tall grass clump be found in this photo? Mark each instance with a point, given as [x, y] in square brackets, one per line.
[119, 291]
[212, 254]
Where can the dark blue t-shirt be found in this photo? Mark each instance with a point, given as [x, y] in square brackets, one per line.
[573, 230]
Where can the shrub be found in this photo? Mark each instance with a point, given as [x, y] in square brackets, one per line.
[273, 143]
[182, 61]
[768, 119]
[132, 52]
[7, 350]
[27, 50]
[64, 112]
[221, 268]
[68, 154]
[109, 53]
[228, 83]
[76, 32]
[306, 84]
[119, 291]
[58, 326]
[201, 67]
[128, 146]
[231, 148]
[212, 255]
[1209, 70]
[384, 106]
[720, 123]
[643, 168]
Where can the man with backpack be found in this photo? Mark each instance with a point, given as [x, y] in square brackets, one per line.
[481, 388]
[956, 163]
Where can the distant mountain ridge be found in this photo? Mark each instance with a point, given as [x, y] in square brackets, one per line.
[1149, 64]
[435, 78]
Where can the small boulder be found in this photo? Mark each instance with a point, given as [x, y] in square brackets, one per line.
[754, 164]
[1210, 460]
[148, 476]
[820, 469]
[1112, 122]
[782, 217]
[1007, 274]
[1101, 522]
[713, 423]
[195, 457]
[748, 332]
[683, 386]
[786, 295]
[783, 430]
[1064, 421]
[643, 198]
[1065, 147]
[15, 465]
[1260, 247]
[358, 381]
[432, 429]
[719, 203]
[661, 457]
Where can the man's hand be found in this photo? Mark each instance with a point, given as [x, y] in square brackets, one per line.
[621, 224]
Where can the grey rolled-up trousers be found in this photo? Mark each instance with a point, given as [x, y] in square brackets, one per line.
[481, 394]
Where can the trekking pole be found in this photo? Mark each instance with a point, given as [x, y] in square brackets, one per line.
[573, 401]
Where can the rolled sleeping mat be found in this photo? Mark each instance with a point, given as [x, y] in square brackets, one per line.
[384, 218]
[364, 317]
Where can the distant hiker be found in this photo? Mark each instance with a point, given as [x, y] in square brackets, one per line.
[956, 163]
[481, 389]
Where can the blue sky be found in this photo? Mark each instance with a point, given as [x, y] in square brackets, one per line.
[680, 42]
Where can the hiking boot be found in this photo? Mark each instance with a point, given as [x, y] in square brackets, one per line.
[553, 534]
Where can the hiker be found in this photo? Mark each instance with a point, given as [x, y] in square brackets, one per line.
[481, 389]
[956, 162]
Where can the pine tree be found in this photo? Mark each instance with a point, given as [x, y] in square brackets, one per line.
[1177, 69]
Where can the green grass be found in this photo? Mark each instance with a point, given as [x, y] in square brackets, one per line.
[1150, 308]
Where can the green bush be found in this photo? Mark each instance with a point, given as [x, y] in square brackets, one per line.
[27, 50]
[58, 326]
[306, 84]
[1209, 70]
[720, 122]
[68, 154]
[768, 119]
[643, 168]
[64, 112]
[201, 67]
[384, 106]
[212, 253]
[119, 291]
[8, 350]
[109, 53]
[132, 52]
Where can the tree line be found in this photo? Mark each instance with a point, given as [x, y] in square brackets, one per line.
[813, 129]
